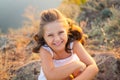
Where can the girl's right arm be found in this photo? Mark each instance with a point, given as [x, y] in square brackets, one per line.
[56, 73]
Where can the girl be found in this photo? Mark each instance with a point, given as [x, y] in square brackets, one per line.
[62, 54]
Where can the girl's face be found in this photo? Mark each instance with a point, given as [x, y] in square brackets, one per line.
[55, 35]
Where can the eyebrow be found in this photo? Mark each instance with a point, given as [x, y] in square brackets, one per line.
[48, 33]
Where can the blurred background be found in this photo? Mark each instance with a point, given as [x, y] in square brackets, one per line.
[11, 11]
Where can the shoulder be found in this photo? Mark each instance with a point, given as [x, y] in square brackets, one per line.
[76, 43]
[42, 49]
[45, 47]
[45, 50]
[82, 53]
[77, 46]
[45, 56]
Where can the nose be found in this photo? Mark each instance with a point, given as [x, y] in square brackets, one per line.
[56, 38]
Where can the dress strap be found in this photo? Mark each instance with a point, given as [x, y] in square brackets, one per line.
[48, 49]
[71, 47]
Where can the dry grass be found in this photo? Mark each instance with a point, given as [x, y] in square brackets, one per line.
[17, 51]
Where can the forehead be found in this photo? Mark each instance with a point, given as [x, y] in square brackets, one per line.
[54, 26]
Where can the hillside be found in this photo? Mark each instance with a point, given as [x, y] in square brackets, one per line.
[98, 19]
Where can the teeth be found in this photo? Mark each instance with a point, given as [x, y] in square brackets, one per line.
[57, 44]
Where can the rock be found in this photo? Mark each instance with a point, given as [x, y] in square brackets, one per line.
[6, 44]
[29, 71]
[109, 67]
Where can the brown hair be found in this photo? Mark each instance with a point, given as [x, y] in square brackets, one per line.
[47, 16]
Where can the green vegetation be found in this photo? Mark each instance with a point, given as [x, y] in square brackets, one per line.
[102, 21]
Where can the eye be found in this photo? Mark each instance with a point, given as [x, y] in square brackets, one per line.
[61, 32]
[50, 35]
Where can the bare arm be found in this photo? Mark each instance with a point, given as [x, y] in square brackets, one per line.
[91, 69]
[56, 73]
[88, 74]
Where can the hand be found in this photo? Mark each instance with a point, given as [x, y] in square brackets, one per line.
[81, 69]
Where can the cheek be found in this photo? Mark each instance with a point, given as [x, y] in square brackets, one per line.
[65, 36]
[47, 40]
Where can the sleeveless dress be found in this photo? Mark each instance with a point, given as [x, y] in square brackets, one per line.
[60, 62]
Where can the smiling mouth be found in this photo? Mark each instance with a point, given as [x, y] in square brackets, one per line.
[59, 43]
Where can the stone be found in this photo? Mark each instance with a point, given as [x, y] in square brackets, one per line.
[29, 71]
[108, 67]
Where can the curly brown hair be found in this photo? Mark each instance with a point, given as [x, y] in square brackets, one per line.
[47, 16]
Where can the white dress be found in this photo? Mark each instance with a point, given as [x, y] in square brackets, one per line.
[60, 62]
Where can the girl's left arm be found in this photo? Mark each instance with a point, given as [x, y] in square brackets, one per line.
[91, 70]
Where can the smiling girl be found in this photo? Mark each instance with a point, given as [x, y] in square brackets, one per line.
[62, 54]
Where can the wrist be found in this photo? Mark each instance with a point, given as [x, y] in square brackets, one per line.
[83, 67]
